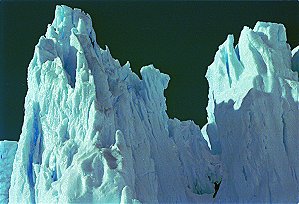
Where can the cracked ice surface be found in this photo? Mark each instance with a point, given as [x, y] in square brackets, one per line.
[94, 132]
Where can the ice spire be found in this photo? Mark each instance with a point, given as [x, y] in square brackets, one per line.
[94, 132]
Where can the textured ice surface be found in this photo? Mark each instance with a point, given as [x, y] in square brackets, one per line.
[7, 155]
[94, 132]
[254, 118]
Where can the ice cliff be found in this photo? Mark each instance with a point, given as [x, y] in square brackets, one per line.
[95, 132]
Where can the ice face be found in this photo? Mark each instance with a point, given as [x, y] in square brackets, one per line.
[94, 132]
[253, 116]
[7, 155]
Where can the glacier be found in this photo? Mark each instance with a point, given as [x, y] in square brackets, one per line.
[7, 154]
[253, 116]
[94, 132]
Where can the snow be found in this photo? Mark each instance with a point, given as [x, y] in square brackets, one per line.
[94, 131]
[7, 155]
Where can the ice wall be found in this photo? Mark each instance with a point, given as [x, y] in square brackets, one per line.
[94, 132]
[7, 154]
[254, 118]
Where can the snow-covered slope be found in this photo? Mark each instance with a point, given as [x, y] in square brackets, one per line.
[94, 132]
[254, 118]
[7, 154]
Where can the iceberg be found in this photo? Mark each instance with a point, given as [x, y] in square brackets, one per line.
[254, 117]
[94, 132]
[7, 155]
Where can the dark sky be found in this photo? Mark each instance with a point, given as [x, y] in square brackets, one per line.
[179, 38]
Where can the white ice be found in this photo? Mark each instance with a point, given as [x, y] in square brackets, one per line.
[7, 154]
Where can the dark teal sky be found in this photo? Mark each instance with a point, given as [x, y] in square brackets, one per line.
[179, 38]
